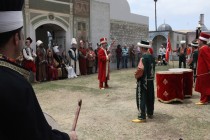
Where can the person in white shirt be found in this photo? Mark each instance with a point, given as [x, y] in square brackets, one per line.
[29, 57]
[161, 54]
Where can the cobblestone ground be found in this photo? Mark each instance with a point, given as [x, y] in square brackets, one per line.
[107, 114]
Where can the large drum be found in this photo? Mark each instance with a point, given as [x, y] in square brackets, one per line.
[187, 80]
[169, 86]
[51, 121]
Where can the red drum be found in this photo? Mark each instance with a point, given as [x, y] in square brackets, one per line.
[187, 81]
[169, 86]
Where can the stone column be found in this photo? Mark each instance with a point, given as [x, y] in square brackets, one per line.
[27, 18]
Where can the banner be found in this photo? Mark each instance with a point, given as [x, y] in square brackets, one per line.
[168, 48]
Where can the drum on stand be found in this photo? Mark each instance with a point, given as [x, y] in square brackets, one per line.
[51, 121]
[169, 86]
[187, 80]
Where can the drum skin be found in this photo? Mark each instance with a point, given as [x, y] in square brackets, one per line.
[169, 86]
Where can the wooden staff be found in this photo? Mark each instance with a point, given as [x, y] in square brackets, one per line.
[76, 115]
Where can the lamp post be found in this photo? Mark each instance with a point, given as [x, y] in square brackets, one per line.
[155, 16]
[198, 30]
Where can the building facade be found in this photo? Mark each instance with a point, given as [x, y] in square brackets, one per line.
[160, 37]
[55, 22]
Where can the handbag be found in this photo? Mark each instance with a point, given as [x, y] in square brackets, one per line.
[139, 73]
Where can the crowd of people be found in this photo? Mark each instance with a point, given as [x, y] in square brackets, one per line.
[51, 64]
[125, 54]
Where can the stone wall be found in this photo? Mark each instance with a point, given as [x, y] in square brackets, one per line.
[81, 19]
[128, 33]
[50, 6]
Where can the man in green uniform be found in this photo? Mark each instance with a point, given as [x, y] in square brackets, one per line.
[145, 84]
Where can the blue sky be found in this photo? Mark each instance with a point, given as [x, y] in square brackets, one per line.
[180, 14]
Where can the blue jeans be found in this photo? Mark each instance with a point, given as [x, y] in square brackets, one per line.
[118, 62]
[133, 62]
[124, 61]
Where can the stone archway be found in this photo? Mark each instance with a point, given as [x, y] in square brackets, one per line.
[157, 42]
[56, 25]
[51, 35]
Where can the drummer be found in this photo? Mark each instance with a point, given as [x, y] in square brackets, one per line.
[21, 115]
[182, 51]
[203, 69]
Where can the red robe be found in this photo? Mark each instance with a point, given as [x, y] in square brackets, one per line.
[82, 61]
[203, 67]
[103, 65]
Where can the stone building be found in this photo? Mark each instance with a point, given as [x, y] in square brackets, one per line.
[164, 31]
[55, 22]
[160, 37]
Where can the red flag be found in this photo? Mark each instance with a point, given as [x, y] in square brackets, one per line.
[168, 48]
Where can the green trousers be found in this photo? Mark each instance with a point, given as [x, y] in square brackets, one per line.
[145, 98]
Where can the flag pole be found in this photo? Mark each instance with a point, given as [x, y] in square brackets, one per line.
[172, 58]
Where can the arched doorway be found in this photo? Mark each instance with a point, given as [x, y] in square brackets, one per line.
[157, 42]
[51, 35]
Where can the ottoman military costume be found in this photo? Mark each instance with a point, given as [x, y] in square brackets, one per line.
[145, 85]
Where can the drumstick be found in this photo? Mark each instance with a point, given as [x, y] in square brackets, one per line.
[202, 74]
[76, 115]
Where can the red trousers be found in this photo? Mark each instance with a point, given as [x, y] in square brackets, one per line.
[101, 84]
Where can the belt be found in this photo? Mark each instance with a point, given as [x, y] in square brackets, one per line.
[150, 79]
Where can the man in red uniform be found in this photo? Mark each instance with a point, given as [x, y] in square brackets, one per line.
[103, 64]
[82, 58]
[203, 69]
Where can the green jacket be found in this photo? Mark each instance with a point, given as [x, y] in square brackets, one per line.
[149, 67]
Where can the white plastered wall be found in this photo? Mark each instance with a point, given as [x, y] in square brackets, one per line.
[120, 10]
[99, 21]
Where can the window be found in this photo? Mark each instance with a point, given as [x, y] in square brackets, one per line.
[81, 26]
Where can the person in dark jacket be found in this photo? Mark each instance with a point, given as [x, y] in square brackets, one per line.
[118, 55]
[22, 117]
[182, 52]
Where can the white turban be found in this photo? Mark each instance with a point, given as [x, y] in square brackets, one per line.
[10, 20]
[208, 43]
[182, 42]
[73, 41]
[39, 42]
[55, 49]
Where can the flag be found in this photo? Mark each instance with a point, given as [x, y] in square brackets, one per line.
[168, 48]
